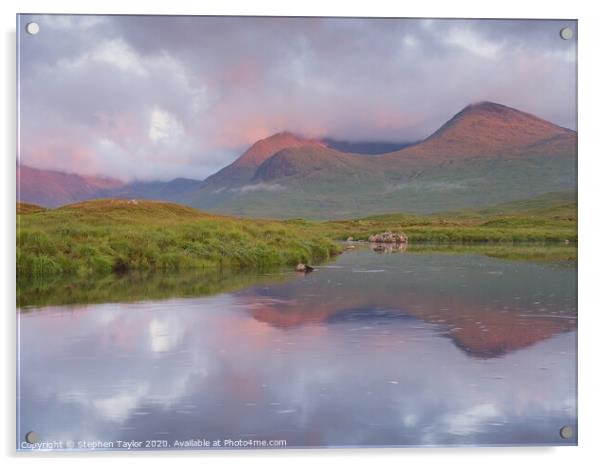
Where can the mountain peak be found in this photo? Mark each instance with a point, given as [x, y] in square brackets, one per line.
[265, 148]
[488, 105]
[492, 109]
[489, 128]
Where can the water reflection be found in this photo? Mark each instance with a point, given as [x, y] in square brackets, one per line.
[395, 349]
[486, 307]
[136, 286]
[388, 248]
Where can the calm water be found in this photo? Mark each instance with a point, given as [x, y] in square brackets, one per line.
[373, 349]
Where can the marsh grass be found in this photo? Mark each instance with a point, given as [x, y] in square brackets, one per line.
[547, 219]
[109, 235]
[112, 235]
[545, 253]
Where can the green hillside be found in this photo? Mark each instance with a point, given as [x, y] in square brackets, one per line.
[346, 190]
[116, 235]
[107, 235]
[487, 154]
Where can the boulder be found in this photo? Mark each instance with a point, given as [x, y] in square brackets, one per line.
[304, 268]
[388, 237]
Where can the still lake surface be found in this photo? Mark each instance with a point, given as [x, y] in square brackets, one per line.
[368, 350]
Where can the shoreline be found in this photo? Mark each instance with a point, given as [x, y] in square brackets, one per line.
[110, 235]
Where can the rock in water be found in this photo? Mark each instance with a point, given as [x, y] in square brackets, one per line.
[388, 237]
[304, 268]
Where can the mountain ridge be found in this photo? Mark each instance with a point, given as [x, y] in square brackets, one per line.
[486, 128]
[485, 153]
[265, 148]
[242, 169]
[52, 188]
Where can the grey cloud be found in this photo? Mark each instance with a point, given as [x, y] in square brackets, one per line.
[92, 87]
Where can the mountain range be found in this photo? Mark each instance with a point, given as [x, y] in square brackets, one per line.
[50, 188]
[486, 154]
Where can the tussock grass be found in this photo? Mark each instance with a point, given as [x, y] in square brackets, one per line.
[25, 208]
[545, 219]
[113, 235]
[109, 235]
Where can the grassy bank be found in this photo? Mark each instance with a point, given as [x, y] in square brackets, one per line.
[137, 285]
[158, 285]
[114, 235]
[544, 253]
[101, 236]
[551, 218]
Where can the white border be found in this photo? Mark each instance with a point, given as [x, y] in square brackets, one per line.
[590, 173]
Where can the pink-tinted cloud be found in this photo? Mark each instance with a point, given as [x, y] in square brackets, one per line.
[159, 97]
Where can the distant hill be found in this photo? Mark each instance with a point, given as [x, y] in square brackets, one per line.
[301, 161]
[53, 188]
[155, 190]
[265, 148]
[25, 208]
[243, 168]
[486, 154]
[488, 129]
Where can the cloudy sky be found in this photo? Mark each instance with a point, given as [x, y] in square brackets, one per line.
[160, 97]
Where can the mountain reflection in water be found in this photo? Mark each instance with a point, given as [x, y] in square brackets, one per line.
[373, 349]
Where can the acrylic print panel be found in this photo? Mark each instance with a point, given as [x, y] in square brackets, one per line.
[270, 232]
